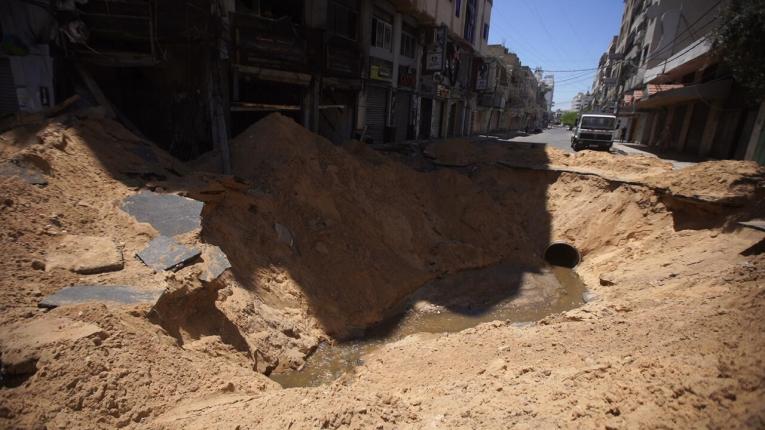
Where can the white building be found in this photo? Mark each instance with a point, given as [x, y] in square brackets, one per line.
[581, 101]
[549, 81]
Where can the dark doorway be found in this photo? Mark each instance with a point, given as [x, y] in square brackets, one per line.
[426, 117]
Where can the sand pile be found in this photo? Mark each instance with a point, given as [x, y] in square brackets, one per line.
[715, 179]
[120, 369]
[324, 240]
[349, 236]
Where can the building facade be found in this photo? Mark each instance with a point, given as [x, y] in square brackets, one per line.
[189, 75]
[670, 88]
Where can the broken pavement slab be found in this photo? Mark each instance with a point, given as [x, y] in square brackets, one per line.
[169, 214]
[215, 263]
[284, 235]
[163, 253]
[119, 294]
[28, 175]
[85, 255]
[756, 224]
[21, 343]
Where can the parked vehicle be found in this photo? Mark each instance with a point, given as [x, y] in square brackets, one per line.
[594, 131]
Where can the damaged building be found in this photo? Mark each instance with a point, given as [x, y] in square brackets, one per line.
[670, 87]
[190, 75]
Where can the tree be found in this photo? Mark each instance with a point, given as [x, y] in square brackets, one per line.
[739, 41]
[569, 118]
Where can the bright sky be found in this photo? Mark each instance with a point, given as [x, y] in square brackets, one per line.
[558, 35]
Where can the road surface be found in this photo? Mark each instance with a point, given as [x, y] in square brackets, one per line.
[558, 137]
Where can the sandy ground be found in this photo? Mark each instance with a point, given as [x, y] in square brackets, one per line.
[325, 240]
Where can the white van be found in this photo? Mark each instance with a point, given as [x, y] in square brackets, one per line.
[594, 131]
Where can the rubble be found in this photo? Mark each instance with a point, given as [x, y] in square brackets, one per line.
[163, 253]
[674, 328]
[169, 214]
[120, 294]
[86, 255]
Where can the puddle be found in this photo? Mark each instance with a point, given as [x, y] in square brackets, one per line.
[458, 302]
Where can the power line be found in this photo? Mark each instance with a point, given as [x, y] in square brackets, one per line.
[671, 44]
[529, 48]
[534, 11]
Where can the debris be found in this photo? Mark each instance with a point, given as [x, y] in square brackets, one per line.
[606, 280]
[21, 344]
[85, 255]
[216, 262]
[99, 293]
[26, 174]
[589, 296]
[757, 224]
[163, 253]
[284, 234]
[169, 214]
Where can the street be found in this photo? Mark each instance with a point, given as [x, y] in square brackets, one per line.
[558, 137]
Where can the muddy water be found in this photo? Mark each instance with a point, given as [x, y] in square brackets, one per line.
[499, 293]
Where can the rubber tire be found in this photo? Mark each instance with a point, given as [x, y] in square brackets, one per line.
[576, 147]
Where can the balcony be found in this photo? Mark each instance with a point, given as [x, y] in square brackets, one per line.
[342, 57]
[273, 43]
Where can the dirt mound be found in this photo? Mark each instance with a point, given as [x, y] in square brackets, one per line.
[714, 178]
[324, 240]
[633, 167]
[129, 370]
[357, 244]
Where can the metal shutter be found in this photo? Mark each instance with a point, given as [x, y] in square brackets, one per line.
[377, 103]
[403, 108]
[8, 101]
[437, 115]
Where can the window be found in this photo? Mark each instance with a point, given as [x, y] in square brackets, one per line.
[341, 20]
[486, 32]
[458, 7]
[382, 34]
[407, 45]
[470, 20]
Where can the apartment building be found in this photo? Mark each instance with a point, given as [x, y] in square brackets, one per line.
[670, 86]
[191, 74]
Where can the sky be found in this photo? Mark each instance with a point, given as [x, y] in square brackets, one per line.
[558, 35]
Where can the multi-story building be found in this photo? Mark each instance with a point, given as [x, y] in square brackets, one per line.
[672, 89]
[581, 101]
[549, 82]
[604, 95]
[191, 74]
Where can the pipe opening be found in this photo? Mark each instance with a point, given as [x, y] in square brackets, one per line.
[563, 255]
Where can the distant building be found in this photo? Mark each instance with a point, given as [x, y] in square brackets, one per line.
[581, 101]
[549, 82]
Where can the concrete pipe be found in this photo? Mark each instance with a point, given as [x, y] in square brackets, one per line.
[562, 254]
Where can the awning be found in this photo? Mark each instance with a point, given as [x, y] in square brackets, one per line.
[284, 76]
[710, 91]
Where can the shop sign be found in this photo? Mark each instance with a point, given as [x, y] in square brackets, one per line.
[442, 91]
[381, 71]
[407, 77]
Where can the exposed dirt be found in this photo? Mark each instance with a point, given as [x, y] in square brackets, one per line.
[326, 240]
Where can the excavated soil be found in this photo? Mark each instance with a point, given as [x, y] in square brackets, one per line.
[326, 241]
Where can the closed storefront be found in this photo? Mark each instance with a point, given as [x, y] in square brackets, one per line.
[696, 131]
[8, 102]
[426, 117]
[377, 104]
[336, 114]
[403, 115]
[438, 107]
